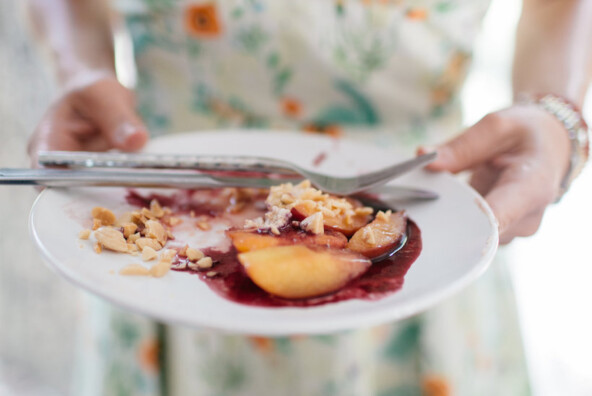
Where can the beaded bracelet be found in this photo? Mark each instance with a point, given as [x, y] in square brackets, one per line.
[577, 130]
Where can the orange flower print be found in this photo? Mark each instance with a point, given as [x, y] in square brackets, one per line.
[148, 355]
[417, 14]
[262, 344]
[450, 78]
[291, 107]
[332, 130]
[440, 95]
[201, 20]
[435, 385]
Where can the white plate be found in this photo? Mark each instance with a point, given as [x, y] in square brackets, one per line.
[458, 231]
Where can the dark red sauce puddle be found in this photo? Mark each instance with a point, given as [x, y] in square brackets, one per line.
[231, 282]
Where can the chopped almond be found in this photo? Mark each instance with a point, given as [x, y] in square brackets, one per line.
[84, 234]
[153, 243]
[98, 248]
[148, 253]
[180, 265]
[168, 255]
[156, 209]
[111, 239]
[156, 231]
[96, 224]
[368, 236]
[134, 269]
[314, 223]
[203, 225]
[129, 229]
[382, 216]
[194, 254]
[148, 214]
[205, 262]
[160, 269]
[134, 237]
[138, 218]
[105, 216]
[173, 221]
[132, 248]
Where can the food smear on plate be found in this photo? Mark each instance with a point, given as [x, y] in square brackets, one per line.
[290, 245]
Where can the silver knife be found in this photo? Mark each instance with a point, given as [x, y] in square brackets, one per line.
[164, 179]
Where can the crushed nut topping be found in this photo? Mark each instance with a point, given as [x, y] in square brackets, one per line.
[275, 218]
[134, 237]
[287, 196]
[313, 223]
[129, 229]
[84, 234]
[153, 243]
[173, 221]
[111, 239]
[156, 209]
[148, 253]
[156, 231]
[382, 216]
[160, 269]
[105, 216]
[194, 254]
[147, 214]
[134, 269]
[132, 249]
[205, 262]
[368, 236]
[97, 224]
[168, 255]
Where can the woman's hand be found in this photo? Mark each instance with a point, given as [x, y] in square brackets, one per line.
[96, 114]
[518, 157]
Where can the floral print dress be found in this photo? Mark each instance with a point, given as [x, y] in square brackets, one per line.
[383, 71]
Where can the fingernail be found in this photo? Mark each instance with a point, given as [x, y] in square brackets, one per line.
[129, 136]
[123, 133]
[428, 149]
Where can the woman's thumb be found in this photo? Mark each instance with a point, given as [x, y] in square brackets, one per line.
[110, 107]
[127, 134]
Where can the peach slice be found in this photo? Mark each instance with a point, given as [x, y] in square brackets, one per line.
[300, 271]
[382, 235]
[343, 224]
[246, 241]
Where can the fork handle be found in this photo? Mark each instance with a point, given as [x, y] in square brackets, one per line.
[80, 159]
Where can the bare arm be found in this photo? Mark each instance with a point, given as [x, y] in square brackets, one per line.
[554, 48]
[76, 34]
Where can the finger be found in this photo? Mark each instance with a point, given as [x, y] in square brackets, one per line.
[483, 141]
[525, 227]
[518, 193]
[484, 178]
[110, 107]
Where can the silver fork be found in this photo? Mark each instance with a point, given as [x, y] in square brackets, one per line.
[331, 184]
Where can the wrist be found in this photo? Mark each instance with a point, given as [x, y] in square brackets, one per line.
[576, 128]
[83, 77]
